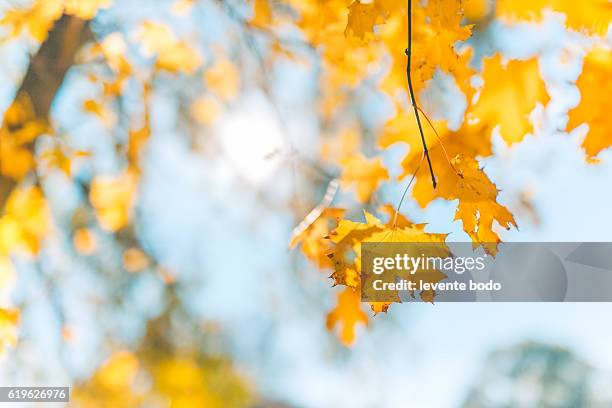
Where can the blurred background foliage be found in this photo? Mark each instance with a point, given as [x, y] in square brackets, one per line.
[155, 156]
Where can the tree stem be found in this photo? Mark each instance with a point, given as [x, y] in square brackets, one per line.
[413, 98]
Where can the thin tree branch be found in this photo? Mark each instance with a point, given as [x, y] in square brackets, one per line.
[413, 98]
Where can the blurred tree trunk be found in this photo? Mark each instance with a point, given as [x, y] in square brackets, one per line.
[44, 77]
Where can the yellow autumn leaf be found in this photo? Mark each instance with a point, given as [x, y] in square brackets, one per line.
[20, 126]
[346, 315]
[362, 17]
[478, 208]
[471, 139]
[594, 107]
[349, 235]
[476, 10]
[311, 237]
[510, 93]
[437, 27]
[37, 19]
[365, 174]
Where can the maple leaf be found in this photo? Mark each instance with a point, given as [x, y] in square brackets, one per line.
[437, 28]
[311, 233]
[459, 177]
[509, 95]
[478, 207]
[595, 89]
[349, 235]
[366, 174]
[592, 16]
[346, 315]
[362, 18]
[471, 139]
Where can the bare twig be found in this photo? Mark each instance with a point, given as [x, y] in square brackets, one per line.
[399, 206]
[413, 98]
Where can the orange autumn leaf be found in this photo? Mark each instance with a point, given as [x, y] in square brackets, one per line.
[262, 16]
[595, 89]
[510, 93]
[346, 315]
[362, 17]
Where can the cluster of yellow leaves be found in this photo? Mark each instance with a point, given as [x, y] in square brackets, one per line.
[592, 16]
[172, 54]
[355, 37]
[125, 380]
[437, 28]
[113, 199]
[20, 127]
[342, 246]
[23, 226]
[113, 384]
[113, 49]
[38, 18]
[595, 89]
